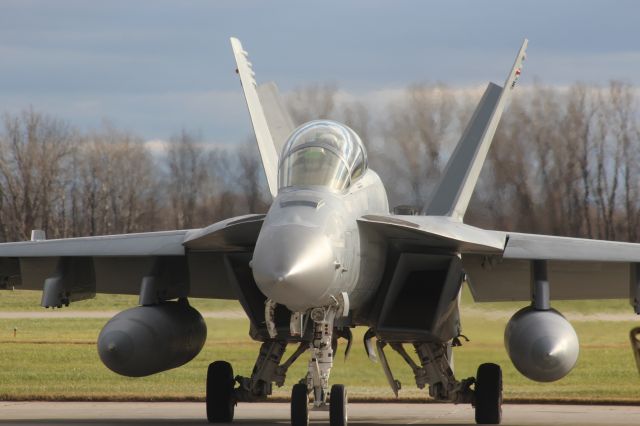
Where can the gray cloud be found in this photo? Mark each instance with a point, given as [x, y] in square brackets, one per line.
[155, 66]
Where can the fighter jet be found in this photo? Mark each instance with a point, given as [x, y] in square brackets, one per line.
[327, 257]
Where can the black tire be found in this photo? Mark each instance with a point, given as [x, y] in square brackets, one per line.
[299, 405]
[488, 393]
[220, 399]
[338, 406]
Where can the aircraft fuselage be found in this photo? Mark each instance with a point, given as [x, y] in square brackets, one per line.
[310, 247]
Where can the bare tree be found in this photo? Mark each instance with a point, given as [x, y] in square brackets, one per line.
[312, 103]
[250, 177]
[224, 197]
[357, 116]
[416, 129]
[609, 158]
[563, 162]
[34, 151]
[577, 137]
[117, 181]
[622, 117]
[187, 176]
[511, 196]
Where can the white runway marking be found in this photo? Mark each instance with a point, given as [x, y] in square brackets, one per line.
[570, 315]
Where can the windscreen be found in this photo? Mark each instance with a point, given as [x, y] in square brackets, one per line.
[312, 166]
[322, 153]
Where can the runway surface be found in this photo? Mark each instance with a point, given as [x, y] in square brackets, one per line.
[178, 413]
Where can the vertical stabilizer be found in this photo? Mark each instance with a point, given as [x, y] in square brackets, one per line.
[278, 118]
[463, 169]
[267, 148]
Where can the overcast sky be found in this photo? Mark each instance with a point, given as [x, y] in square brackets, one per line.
[154, 67]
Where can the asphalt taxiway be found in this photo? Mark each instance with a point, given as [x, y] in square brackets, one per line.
[179, 413]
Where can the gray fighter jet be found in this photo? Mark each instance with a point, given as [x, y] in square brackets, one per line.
[329, 256]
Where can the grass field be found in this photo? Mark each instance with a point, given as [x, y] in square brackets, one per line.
[21, 300]
[57, 358]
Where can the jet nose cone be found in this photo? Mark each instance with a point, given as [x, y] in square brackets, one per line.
[294, 265]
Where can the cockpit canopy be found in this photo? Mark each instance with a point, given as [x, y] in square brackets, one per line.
[322, 153]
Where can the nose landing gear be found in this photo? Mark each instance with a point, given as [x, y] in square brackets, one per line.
[223, 394]
[338, 406]
[321, 362]
[320, 368]
[299, 405]
[317, 380]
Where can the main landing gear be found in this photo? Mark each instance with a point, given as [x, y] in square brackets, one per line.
[220, 394]
[435, 371]
[488, 394]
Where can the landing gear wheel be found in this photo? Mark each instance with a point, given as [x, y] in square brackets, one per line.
[299, 405]
[220, 399]
[338, 406]
[488, 393]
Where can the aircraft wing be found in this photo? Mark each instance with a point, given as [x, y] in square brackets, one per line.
[184, 263]
[498, 265]
[435, 232]
[167, 243]
[578, 268]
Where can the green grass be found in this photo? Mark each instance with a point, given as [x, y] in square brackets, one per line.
[28, 300]
[57, 359]
[581, 306]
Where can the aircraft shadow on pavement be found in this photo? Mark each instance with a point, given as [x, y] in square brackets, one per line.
[142, 422]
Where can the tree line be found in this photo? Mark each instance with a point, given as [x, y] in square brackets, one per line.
[564, 161]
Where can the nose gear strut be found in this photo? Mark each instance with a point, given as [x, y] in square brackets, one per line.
[321, 355]
[316, 382]
[268, 368]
